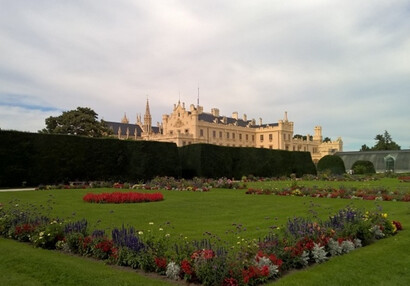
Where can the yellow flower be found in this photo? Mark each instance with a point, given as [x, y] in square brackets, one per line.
[384, 215]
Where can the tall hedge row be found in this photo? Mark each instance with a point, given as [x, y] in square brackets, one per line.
[48, 159]
[205, 160]
[51, 159]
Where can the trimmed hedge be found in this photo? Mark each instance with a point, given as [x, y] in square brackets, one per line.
[52, 159]
[363, 167]
[212, 161]
[32, 159]
[331, 163]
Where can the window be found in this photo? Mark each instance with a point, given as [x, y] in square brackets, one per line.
[270, 147]
[227, 135]
[253, 138]
[270, 137]
[261, 137]
[240, 136]
[201, 132]
[220, 134]
[214, 134]
[233, 135]
[246, 137]
[186, 131]
[183, 143]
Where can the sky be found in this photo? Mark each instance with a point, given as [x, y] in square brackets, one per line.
[343, 65]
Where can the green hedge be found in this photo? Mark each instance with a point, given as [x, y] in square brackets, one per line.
[331, 163]
[206, 160]
[363, 167]
[52, 159]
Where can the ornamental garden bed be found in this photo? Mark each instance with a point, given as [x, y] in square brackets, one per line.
[120, 198]
[344, 193]
[299, 243]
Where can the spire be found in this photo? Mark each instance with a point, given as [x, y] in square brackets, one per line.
[197, 101]
[147, 119]
[147, 112]
[125, 119]
[286, 116]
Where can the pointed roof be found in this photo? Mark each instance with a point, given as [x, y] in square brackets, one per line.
[147, 112]
[124, 119]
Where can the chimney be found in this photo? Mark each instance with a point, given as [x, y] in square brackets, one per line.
[235, 115]
[260, 121]
[215, 112]
[245, 118]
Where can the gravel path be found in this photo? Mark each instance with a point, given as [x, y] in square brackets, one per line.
[17, 190]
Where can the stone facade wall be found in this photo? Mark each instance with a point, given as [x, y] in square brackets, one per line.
[192, 125]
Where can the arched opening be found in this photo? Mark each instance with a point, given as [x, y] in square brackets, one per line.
[389, 162]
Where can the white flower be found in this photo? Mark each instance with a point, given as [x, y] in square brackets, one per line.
[319, 254]
[357, 243]
[305, 258]
[334, 247]
[41, 233]
[167, 235]
[347, 246]
[150, 223]
[161, 229]
[173, 270]
[140, 233]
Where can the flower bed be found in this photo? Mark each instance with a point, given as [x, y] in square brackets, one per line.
[404, 178]
[120, 198]
[299, 243]
[364, 194]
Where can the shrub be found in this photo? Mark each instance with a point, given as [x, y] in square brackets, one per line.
[363, 167]
[331, 163]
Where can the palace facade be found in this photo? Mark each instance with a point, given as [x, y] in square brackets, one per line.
[192, 125]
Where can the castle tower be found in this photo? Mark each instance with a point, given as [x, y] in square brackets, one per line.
[147, 119]
[318, 134]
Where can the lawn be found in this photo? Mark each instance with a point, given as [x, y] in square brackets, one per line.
[191, 214]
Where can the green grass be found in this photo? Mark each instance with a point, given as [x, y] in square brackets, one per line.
[191, 214]
[21, 264]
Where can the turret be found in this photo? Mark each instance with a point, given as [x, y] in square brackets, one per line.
[318, 134]
[147, 119]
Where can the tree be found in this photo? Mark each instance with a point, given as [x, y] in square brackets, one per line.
[327, 139]
[384, 142]
[365, 148]
[81, 121]
[363, 167]
[331, 163]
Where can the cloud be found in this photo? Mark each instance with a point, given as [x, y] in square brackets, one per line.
[339, 64]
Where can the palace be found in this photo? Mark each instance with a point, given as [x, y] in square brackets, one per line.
[190, 126]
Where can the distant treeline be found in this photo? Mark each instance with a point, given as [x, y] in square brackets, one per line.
[32, 159]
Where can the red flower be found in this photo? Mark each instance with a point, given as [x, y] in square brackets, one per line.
[398, 225]
[265, 271]
[161, 262]
[105, 245]
[277, 261]
[230, 282]
[118, 197]
[186, 267]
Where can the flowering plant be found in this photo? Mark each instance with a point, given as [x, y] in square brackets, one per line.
[119, 198]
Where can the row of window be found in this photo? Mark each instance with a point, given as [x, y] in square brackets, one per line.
[228, 135]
